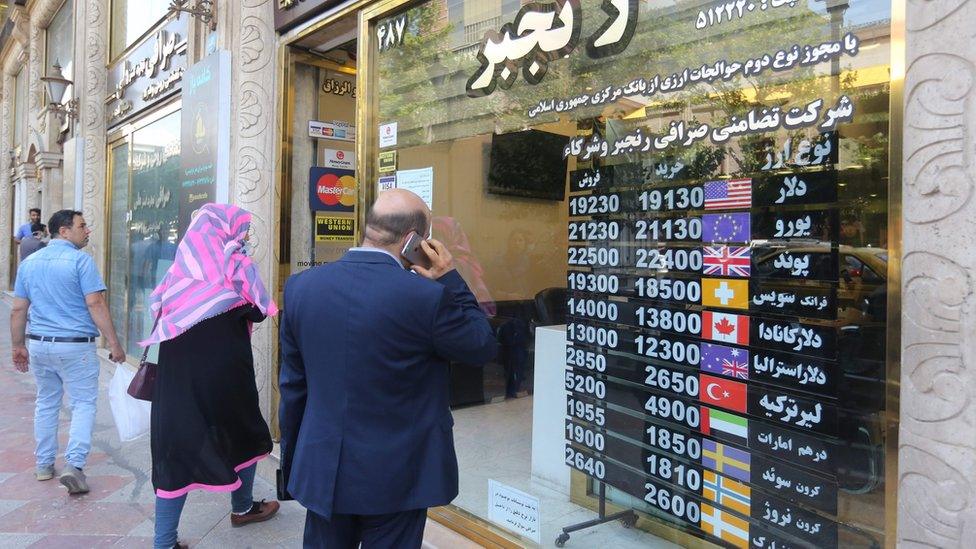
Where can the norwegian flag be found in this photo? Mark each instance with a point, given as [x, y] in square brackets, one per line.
[728, 194]
[727, 260]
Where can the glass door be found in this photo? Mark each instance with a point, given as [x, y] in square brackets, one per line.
[144, 202]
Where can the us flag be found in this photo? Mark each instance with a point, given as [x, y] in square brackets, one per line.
[727, 260]
[728, 194]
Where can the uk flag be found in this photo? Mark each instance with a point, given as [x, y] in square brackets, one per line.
[727, 261]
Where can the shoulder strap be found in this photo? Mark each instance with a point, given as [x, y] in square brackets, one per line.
[145, 351]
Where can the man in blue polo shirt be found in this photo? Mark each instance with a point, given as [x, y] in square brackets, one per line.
[25, 230]
[66, 298]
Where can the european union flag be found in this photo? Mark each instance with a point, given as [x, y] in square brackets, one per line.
[726, 227]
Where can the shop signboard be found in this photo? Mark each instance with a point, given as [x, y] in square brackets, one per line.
[331, 189]
[151, 72]
[289, 13]
[205, 135]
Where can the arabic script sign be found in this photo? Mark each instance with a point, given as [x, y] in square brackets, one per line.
[150, 73]
[545, 32]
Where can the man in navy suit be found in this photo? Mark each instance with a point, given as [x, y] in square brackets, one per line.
[367, 441]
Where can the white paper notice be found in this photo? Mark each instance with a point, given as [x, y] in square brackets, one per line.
[514, 510]
[419, 182]
[388, 134]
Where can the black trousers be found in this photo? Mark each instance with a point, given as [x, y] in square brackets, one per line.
[403, 530]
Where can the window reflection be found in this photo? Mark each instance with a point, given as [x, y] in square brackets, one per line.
[494, 176]
[132, 18]
[145, 212]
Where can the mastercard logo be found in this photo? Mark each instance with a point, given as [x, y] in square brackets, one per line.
[333, 190]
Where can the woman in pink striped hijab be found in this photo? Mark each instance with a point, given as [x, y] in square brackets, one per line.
[211, 275]
[207, 429]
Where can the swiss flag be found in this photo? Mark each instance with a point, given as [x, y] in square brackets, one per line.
[726, 327]
[725, 393]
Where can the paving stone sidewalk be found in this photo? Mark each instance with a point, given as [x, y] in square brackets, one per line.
[118, 512]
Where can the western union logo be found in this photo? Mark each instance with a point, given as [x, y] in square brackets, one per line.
[330, 228]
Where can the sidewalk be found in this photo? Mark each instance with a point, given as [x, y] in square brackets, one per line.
[118, 512]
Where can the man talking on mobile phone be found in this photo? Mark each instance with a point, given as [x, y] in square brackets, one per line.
[367, 443]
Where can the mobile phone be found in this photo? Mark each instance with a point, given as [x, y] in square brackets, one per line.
[413, 252]
[281, 486]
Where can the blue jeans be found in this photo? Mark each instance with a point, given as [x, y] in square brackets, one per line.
[168, 510]
[60, 366]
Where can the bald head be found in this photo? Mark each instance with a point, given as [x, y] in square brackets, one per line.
[394, 215]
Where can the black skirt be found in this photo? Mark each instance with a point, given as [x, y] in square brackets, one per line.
[206, 420]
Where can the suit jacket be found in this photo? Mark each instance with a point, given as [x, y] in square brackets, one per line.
[365, 421]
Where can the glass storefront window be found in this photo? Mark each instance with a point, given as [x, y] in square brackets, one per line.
[715, 181]
[118, 259]
[145, 214]
[132, 18]
[60, 42]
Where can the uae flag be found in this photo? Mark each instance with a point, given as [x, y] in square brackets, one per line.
[724, 425]
[725, 327]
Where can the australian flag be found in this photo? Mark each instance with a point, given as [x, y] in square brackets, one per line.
[727, 260]
[725, 361]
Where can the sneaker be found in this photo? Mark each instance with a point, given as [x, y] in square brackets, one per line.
[74, 480]
[44, 472]
[260, 511]
[181, 546]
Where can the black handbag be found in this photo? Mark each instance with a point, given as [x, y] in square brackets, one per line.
[141, 386]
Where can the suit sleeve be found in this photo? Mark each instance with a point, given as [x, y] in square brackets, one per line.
[293, 388]
[461, 331]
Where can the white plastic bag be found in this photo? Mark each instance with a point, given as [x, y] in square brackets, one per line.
[131, 415]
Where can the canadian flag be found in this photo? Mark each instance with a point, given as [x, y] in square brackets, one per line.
[725, 327]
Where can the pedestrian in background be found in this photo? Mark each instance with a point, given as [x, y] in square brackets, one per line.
[34, 242]
[207, 431]
[24, 230]
[61, 288]
[366, 431]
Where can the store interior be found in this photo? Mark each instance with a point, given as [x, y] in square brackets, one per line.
[500, 237]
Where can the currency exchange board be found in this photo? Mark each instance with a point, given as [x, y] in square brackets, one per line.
[727, 290]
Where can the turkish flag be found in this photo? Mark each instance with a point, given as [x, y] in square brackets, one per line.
[726, 393]
[725, 327]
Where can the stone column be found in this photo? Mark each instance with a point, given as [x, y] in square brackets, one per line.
[90, 81]
[246, 28]
[6, 184]
[12, 64]
[46, 124]
[305, 108]
[52, 176]
[937, 439]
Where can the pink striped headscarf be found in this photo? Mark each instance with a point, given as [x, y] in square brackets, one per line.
[210, 275]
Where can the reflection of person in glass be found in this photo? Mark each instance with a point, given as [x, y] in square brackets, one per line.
[852, 231]
[515, 265]
[449, 231]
